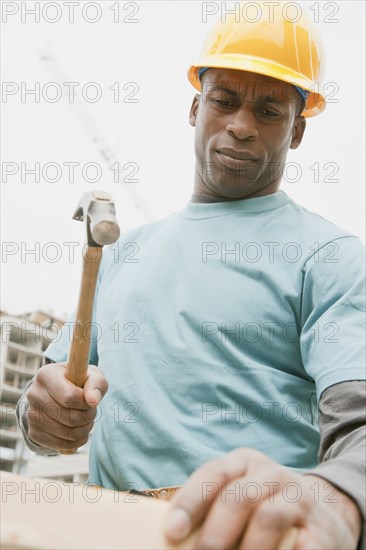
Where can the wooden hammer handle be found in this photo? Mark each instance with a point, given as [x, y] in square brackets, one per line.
[78, 361]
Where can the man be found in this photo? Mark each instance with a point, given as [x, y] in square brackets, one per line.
[224, 327]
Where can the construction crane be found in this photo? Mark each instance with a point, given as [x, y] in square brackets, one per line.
[98, 140]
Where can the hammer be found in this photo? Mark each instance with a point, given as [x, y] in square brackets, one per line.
[97, 209]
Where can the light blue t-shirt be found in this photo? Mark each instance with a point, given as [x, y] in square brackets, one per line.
[219, 327]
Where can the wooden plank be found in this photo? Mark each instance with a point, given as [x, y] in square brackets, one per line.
[52, 515]
[45, 514]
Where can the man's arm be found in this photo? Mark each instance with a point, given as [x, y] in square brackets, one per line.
[332, 520]
[342, 453]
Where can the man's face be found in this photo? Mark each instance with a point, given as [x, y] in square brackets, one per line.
[245, 124]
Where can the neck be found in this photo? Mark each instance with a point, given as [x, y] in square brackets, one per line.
[202, 193]
[203, 196]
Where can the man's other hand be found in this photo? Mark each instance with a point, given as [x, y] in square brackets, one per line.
[246, 500]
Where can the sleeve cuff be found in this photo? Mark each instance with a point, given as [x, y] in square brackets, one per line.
[22, 421]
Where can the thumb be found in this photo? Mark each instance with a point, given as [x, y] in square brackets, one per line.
[95, 386]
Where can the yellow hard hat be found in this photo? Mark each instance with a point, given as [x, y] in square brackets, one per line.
[273, 45]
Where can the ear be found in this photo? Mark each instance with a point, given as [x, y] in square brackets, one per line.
[194, 110]
[298, 132]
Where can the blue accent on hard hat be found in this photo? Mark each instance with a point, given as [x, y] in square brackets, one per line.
[201, 71]
[304, 93]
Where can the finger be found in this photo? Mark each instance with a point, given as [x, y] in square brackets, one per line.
[42, 408]
[235, 507]
[271, 522]
[193, 501]
[53, 427]
[55, 442]
[67, 434]
[72, 418]
[59, 388]
[232, 510]
[320, 539]
[273, 525]
[95, 386]
[288, 541]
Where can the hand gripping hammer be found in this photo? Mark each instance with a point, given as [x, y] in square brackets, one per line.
[98, 211]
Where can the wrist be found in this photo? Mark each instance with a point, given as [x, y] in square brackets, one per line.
[342, 504]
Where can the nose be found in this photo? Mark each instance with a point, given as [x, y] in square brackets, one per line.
[242, 124]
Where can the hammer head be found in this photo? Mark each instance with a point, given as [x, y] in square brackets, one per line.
[98, 211]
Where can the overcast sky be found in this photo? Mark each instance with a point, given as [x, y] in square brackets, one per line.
[137, 55]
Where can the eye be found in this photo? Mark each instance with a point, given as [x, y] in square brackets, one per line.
[224, 102]
[269, 113]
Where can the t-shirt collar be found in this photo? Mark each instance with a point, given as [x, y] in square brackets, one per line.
[195, 210]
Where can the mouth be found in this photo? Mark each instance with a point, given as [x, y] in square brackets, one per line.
[235, 159]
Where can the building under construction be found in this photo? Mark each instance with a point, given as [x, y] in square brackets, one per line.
[24, 338]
